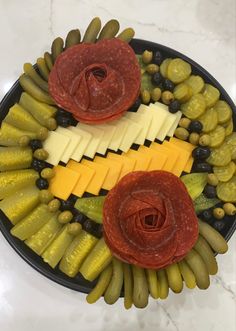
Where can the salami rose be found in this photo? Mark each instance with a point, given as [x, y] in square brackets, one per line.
[96, 82]
[149, 219]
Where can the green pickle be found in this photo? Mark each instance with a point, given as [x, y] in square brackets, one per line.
[126, 35]
[57, 48]
[195, 183]
[211, 95]
[12, 181]
[113, 290]
[48, 60]
[178, 70]
[209, 120]
[20, 203]
[225, 173]
[195, 107]
[128, 286]
[217, 136]
[224, 112]
[196, 83]
[187, 274]
[202, 203]
[14, 158]
[140, 292]
[153, 284]
[109, 30]
[37, 79]
[220, 156]
[174, 278]
[164, 66]
[39, 241]
[76, 253]
[42, 67]
[55, 251]
[31, 223]
[92, 31]
[73, 38]
[96, 261]
[10, 135]
[227, 191]
[205, 251]
[163, 281]
[91, 207]
[183, 92]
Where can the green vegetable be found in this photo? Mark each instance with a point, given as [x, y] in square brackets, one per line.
[202, 202]
[199, 269]
[174, 278]
[73, 38]
[109, 30]
[227, 191]
[126, 35]
[153, 284]
[128, 286]
[14, 158]
[57, 48]
[42, 67]
[187, 274]
[91, 207]
[195, 183]
[92, 31]
[164, 288]
[113, 290]
[48, 60]
[10, 135]
[140, 292]
[37, 79]
[203, 248]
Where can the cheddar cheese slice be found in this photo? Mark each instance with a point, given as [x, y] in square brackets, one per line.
[127, 163]
[189, 148]
[64, 181]
[182, 159]
[142, 163]
[158, 158]
[172, 155]
[98, 179]
[86, 175]
[113, 174]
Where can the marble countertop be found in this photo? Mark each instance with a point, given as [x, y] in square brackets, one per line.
[205, 31]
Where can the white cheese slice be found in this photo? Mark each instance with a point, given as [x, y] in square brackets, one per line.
[171, 132]
[144, 120]
[97, 135]
[167, 124]
[74, 141]
[109, 131]
[130, 135]
[55, 145]
[86, 137]
[158, 119]
[121, 128]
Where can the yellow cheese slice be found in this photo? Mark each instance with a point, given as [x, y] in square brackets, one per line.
[128, 164]
[97, 135]
[113, 172]
[63, 183]
[172, 155]
[74, 142]
[182, 159]
[86, 175]
[142, 162]
[158, 158]
[55, 145]
[121, 128]
[86, 137]
[98, 179]
[188, 147]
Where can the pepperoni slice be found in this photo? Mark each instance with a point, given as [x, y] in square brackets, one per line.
[98, 82]
[149, 219]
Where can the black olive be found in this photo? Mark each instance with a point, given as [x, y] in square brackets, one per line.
[80, 218]
[157, 58]
[35, 144]
[201, 153]
[63, 121]
[168, 85]
[210, 191]
[219, 225]
[202, 167]
[93, 228]
[38, 165]
[157, 78]
[174, 106]
[136, 105]
[195, 126]
[206, 215]
[42, 183]
[66, 205]
[62, 112]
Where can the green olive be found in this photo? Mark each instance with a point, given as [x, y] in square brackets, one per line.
[47, 173]
[167, 97]
[194, 138]
[156, 94]
[74, 228]
[147, 57]
[24, 141]
[43, 133]
[45, 196]
[65, 217]
[51, 124]
[205, 140]
[152, 68]
[41, 154]
[212, 179]
[218, 213]
[182, 133]
[54, 205]
[229, 209]
[184, 122]
[145, 96]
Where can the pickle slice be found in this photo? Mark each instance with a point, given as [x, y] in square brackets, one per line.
[202, 203]
[217, 136]
[227, 191]
[220, 156]
[178, 70]
[211, 95]
[196, 83]
[195, 107]
[183, 92]
[209, 120]
[225, 173]
[231, 142]
[164, 67]
[195, 183]
[229, 127]
[224, 112]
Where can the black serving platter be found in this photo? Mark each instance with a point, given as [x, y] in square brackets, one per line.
[79, 283]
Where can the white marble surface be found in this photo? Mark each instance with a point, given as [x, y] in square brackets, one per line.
[203, 30]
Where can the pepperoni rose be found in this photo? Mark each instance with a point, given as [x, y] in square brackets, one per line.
[149, 219]
[96, 82]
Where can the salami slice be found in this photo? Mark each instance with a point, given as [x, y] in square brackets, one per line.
[96, 82]
[149, 219]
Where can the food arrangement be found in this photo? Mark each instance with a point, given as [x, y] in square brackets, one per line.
[113, 165]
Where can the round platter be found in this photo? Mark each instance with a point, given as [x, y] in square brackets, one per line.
[79, 283]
